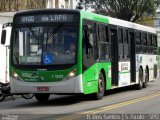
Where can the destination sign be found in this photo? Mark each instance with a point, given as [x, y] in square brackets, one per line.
[46, 18]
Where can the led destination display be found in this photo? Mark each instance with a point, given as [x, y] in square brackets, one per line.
[46, 18]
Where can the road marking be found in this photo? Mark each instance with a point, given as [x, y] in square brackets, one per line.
[110, 107]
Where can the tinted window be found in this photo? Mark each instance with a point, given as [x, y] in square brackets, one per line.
[149, 40]
[125, 33]
[144, 38]
[49, 45]
[120, 35]
[138, 38]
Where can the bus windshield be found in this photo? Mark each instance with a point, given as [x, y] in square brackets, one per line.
[45, 45]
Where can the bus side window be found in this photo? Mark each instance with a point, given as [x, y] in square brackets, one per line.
[104, 42]
[89, 44]
[86, 38]
[126, 45]
[138, 38]
[144, 43]
[155, 39]
[144, 38]
[154, 44]
[149, 40]
[125, 38]
[108, 52]
[120, 45]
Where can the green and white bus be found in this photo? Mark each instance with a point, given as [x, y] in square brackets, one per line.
[74, 51]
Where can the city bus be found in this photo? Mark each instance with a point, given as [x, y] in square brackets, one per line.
[4, 64]
[4, 53]
[62, 51]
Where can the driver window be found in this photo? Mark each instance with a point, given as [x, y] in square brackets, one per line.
[90, 49]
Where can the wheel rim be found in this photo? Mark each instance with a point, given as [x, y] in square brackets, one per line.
[1, 97]
[27, 96]
[141, 84]
[101, 85]
[141, 79]
[146, 78]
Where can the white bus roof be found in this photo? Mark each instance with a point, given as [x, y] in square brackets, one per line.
[6, 17]
[7, 14]
[127, 24]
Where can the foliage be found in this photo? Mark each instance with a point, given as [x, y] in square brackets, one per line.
[130, 10]
[16, 5]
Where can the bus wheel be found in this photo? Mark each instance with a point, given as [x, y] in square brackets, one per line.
[101, 88]
[140, 84]
[28, 96]
[145, 84]
[43, 97]
[2, 97]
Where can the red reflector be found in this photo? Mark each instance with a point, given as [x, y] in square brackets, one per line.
[42, 89]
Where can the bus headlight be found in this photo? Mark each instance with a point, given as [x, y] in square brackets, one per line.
[16, 76]
[71, 75]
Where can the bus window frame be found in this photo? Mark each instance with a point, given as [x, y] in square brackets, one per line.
[120, 44]
[49, 67]
[105, 41]
[94, 58]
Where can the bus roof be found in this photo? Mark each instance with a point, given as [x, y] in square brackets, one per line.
[96, 17]
[127, 24]
[48, 11]
[115, 21]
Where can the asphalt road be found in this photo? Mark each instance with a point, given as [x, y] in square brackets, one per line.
[119, 101]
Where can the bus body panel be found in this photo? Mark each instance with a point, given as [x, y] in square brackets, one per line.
[43, 75]
[150, 61]
[91, 75]
[56, 80]
[73, 85]
[124, 74]
[4, 53]
[85, 81]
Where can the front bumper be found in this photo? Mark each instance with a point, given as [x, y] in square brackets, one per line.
[73, 85]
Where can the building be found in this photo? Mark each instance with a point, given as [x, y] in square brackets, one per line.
[20, 5]
[67, 4]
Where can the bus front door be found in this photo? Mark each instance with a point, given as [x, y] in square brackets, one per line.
[114, 55]
[132, 56]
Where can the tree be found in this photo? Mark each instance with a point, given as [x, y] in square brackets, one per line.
[130, 10]
[16, 5]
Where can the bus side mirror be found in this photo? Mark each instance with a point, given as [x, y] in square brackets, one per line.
[3, 37]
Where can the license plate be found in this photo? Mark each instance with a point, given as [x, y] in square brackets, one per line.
[42, 89]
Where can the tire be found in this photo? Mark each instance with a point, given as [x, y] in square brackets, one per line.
[43, 97]
[145, 84]
[139, 86]
[101, 88]
[28, 96]
[2, 97]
